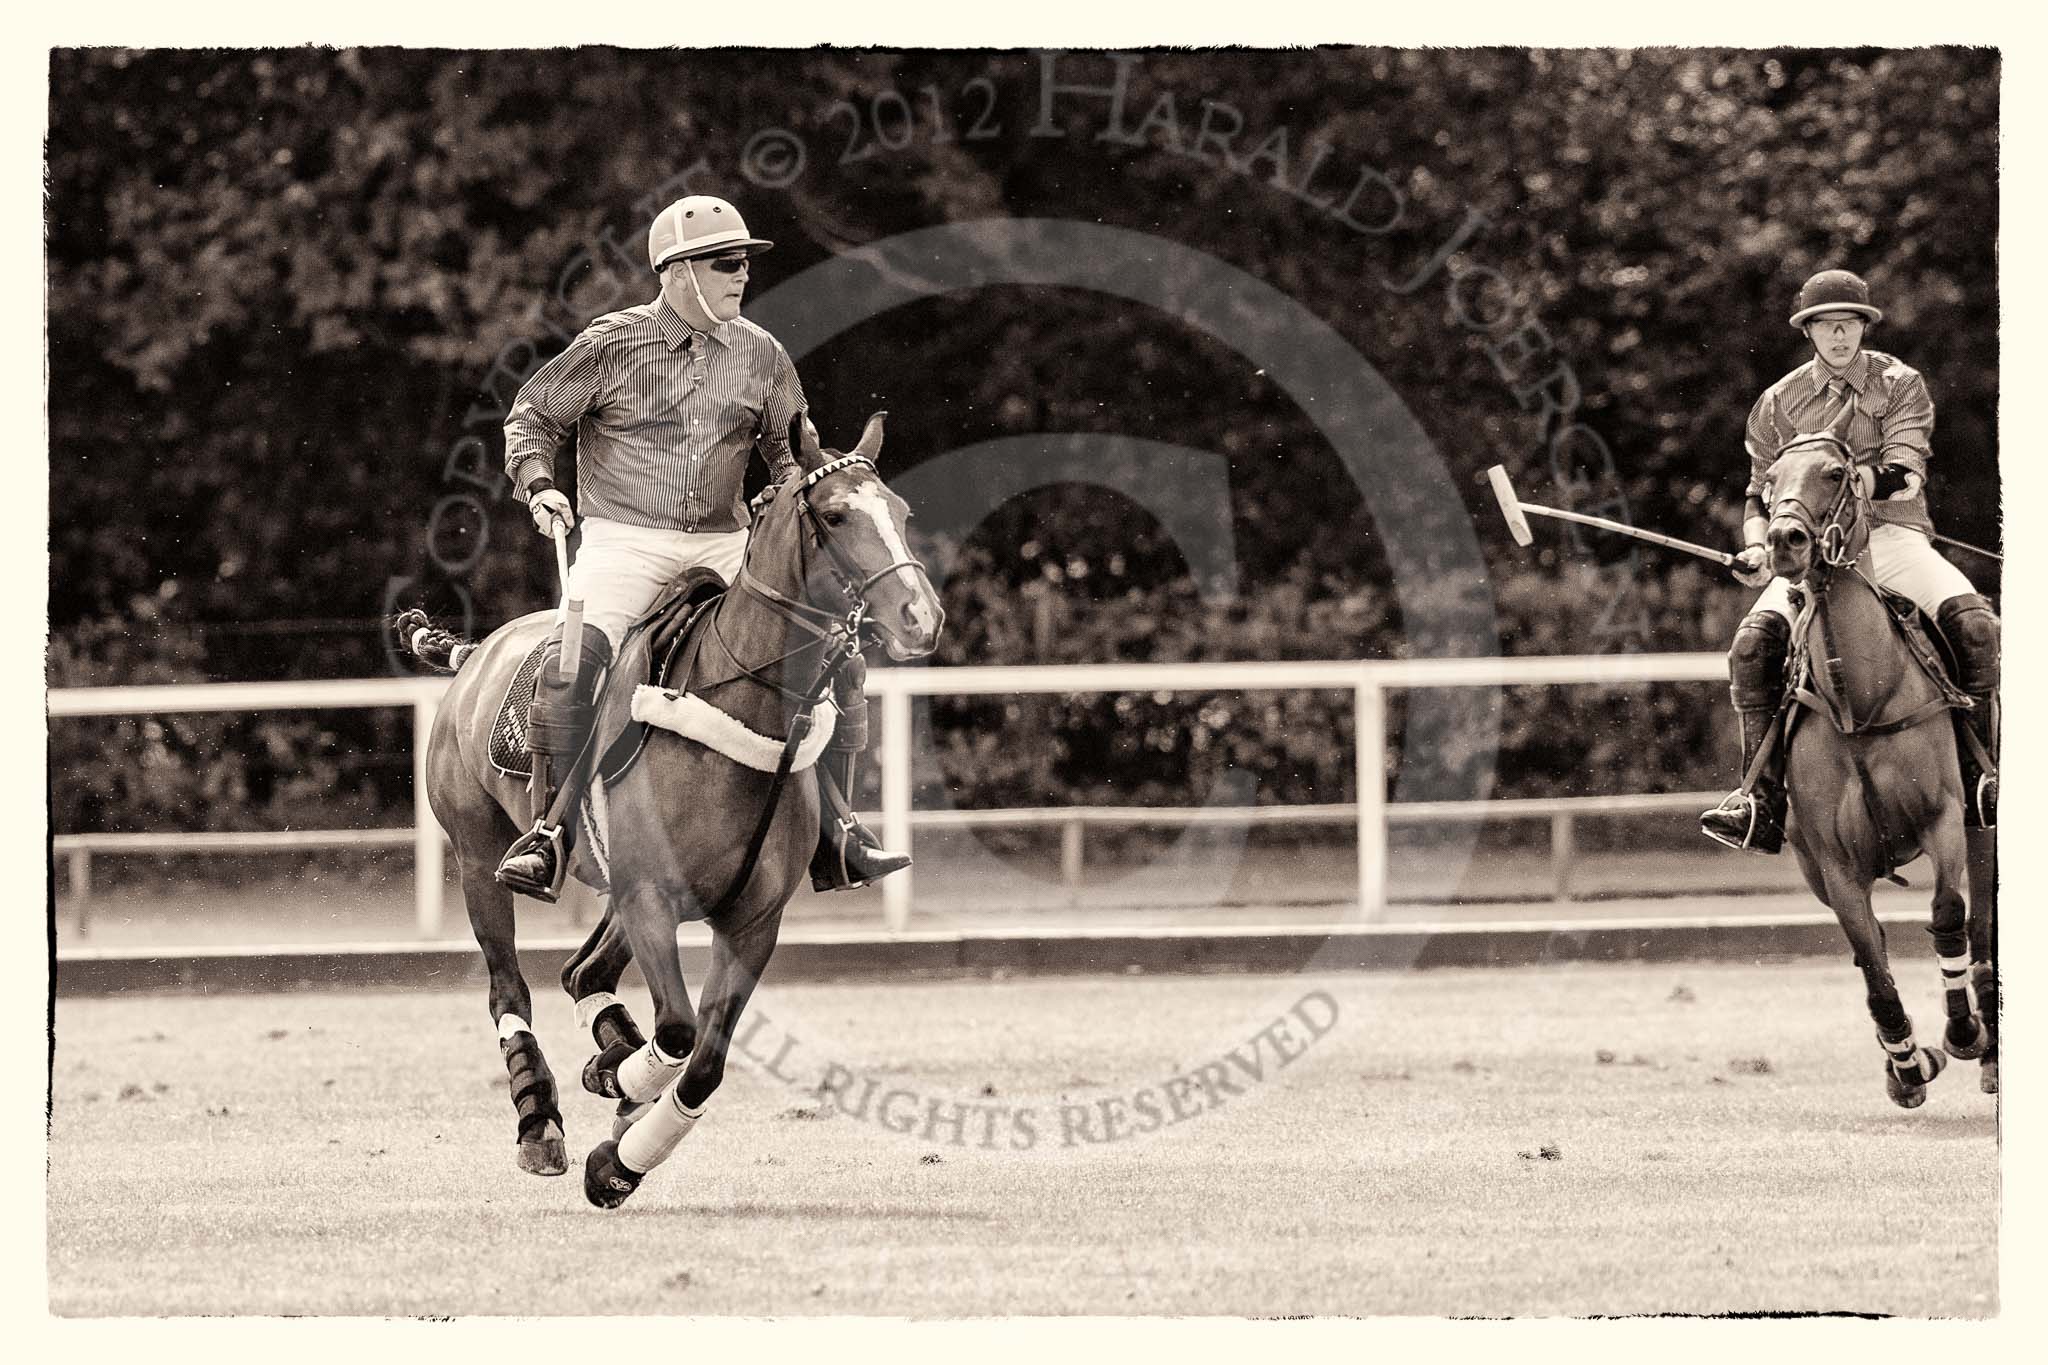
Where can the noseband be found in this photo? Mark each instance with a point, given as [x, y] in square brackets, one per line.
[1834, 532]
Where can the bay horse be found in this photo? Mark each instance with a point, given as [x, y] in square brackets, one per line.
[690, 833]
[1872, 768]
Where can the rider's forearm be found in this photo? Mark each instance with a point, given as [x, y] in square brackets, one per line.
[1755, 525]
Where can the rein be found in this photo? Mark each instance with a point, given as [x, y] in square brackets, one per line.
[838, 633]
[1836, 542]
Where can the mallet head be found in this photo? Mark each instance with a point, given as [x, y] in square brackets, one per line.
[1510, 505]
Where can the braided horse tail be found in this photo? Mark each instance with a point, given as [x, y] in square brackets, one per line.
[427, 642]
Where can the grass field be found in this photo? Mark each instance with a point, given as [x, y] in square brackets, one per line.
[1573, 1140]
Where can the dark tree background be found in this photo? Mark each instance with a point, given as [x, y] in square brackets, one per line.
[283, 286]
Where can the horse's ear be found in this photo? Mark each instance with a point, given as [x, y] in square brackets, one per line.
[871, 437]
[803, 441]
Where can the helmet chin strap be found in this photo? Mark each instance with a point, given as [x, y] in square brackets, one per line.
[702, 306]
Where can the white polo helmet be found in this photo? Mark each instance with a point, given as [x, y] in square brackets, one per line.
[698, 225]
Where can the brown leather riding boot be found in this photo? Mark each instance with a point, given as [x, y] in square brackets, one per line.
[1752, 818]
[848, 854]
[1973, 632]
[558, 727]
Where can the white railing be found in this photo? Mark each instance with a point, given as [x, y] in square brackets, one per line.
[1369, 681]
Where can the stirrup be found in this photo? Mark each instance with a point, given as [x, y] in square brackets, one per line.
[543, 841]
[846, 861]
[1742, 825]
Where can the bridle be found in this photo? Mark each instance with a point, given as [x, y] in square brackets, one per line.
[839, 631]
[1835, 532]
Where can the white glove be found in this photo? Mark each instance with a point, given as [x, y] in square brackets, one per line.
[549, 506]
[1752, 567]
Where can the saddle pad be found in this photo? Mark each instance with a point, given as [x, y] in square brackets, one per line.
[696, 719]
[509, 752]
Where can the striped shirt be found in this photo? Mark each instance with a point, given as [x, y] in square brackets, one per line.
[664, 418]
[1892, 422]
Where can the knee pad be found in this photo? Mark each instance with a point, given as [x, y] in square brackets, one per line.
[1973, 632]
[850, 695]
[563, 708]
[1756, 662]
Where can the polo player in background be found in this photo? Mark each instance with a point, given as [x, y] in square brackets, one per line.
[1879, 405]
[666, 401]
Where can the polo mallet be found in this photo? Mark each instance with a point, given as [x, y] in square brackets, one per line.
[571, 657]
[1513, 508]
[1964, 545]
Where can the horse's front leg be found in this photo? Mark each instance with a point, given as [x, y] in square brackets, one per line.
[1983, 860]
[614, 1170]
[615, 1167]
[1908, 1066]
[590, 977]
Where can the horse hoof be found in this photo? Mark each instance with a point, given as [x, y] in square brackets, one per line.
[607, 1183]
[601, 1072]
[1987, 1078]
[1970, 1049]
[544, 1154]
[1912, 1094]
[629, 1112]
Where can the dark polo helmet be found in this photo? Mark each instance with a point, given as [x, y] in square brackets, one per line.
[1834, 291]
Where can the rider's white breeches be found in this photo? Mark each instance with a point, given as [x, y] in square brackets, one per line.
[622, 568]
[1901, 559]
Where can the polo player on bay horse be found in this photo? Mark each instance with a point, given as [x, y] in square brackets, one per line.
[666, 401]
[1880, 407]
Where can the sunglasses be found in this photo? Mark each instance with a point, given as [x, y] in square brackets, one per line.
[724, 265]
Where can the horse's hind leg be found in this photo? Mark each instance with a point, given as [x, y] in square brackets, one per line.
[1966, 1037]
[541, 1149]
[479, 830]
[1983, 859]
[1908, 1066]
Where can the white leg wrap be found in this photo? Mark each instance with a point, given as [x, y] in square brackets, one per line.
[1953, 971]
[1903, 1051]
[647, 1073]
[650, 1140]
[509, 1024]
[592, 1005]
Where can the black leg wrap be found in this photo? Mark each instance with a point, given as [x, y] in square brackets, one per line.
[532, 1084]
[1951, 941]
[614, 1026]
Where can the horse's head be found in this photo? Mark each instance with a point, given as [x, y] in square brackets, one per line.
[856, 526]
[1815, 509]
